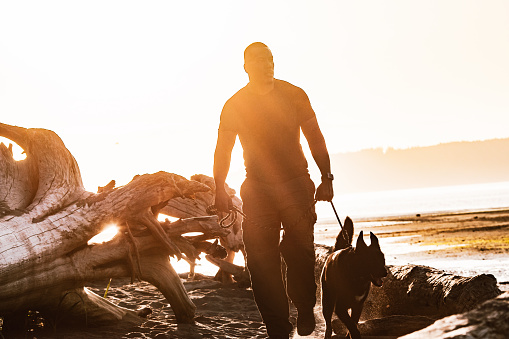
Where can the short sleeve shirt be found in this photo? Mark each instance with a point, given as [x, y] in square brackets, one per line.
[268, 127]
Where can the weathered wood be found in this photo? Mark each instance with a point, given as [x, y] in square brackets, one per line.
[46, 249]
[394, 325]
[47, 218]
[18, 185]
[240, 273]
[488, 321]
[425, 291]
[199, 204]
[83, 307]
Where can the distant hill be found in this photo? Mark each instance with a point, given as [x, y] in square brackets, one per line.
[455, 163]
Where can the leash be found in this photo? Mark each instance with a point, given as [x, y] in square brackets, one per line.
[211, 210]
[233, 214]
[345, 235]
[336, 213]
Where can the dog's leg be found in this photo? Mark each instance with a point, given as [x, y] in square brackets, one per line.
[328, 302]
[343, 315]
[356, 313]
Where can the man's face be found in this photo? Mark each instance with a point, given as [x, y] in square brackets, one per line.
[259, 64]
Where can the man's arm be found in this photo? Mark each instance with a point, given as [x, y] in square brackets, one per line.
[222, 159]
[319, 151]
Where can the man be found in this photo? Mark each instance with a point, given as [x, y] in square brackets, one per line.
[268, 115]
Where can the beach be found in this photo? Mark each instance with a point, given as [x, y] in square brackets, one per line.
[465, 243]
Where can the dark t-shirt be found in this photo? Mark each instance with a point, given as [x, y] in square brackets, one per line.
[268, 127]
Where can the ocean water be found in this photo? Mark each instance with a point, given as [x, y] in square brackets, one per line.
[413, 201]
[404, 202]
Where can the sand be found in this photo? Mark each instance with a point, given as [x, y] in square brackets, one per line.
[466, 243]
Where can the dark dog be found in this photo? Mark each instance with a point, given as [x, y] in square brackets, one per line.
[347, 276]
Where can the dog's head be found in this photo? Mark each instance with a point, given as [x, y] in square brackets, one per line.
[373, 259]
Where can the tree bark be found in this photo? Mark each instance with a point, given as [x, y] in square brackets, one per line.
[47, 218]
[425, 291]
[487, 321]
[201, 204]
[394, 325]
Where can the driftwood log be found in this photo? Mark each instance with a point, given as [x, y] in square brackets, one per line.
[200, 204]
[490, 320]
[47, 219]
[425, 291]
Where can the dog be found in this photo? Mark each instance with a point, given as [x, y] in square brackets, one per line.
[347, 277]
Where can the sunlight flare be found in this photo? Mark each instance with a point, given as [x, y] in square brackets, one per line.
[106, 235]
[18, 153]
[162, 218]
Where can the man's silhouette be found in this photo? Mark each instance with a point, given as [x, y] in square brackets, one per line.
[268, 115]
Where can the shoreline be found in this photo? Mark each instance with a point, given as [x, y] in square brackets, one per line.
[466, 242]
[399, 216]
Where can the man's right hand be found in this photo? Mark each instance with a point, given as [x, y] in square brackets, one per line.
[223, 201]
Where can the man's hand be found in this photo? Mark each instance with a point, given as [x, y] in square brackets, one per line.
[222, 158]
[325, 192]
[223, 200]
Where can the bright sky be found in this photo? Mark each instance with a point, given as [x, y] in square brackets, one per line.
[135, 87]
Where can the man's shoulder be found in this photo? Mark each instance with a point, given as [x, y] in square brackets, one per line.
[236, 97]
[286, 86]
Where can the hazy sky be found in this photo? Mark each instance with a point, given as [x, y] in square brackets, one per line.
[135, 87]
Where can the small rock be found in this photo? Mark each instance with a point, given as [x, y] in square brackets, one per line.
[144, 312]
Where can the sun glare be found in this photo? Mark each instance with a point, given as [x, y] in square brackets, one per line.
[106, 235]
[17, 152]
[203, 266]
[162, 217]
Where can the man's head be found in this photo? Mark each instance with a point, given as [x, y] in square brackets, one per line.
[259, 63]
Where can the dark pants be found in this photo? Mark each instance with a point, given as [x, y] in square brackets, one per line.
[267, 206]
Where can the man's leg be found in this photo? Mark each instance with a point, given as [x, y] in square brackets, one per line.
[261, 235]
[298, 251]
[299, 255]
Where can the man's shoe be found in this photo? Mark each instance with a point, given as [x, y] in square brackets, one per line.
[305, 322]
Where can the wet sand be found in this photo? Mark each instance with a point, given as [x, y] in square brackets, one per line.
[466, 243]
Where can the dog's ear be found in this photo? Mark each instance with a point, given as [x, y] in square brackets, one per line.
[360, 241]
[349, 229]
[374, 240]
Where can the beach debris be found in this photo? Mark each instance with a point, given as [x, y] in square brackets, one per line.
[48, 218]
[487, 321]
[197, 205]
[239, 273]
[144, 312]
[394, 325]
[426, 291]
[107, 288]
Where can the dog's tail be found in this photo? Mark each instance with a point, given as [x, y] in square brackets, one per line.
[344, 238]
